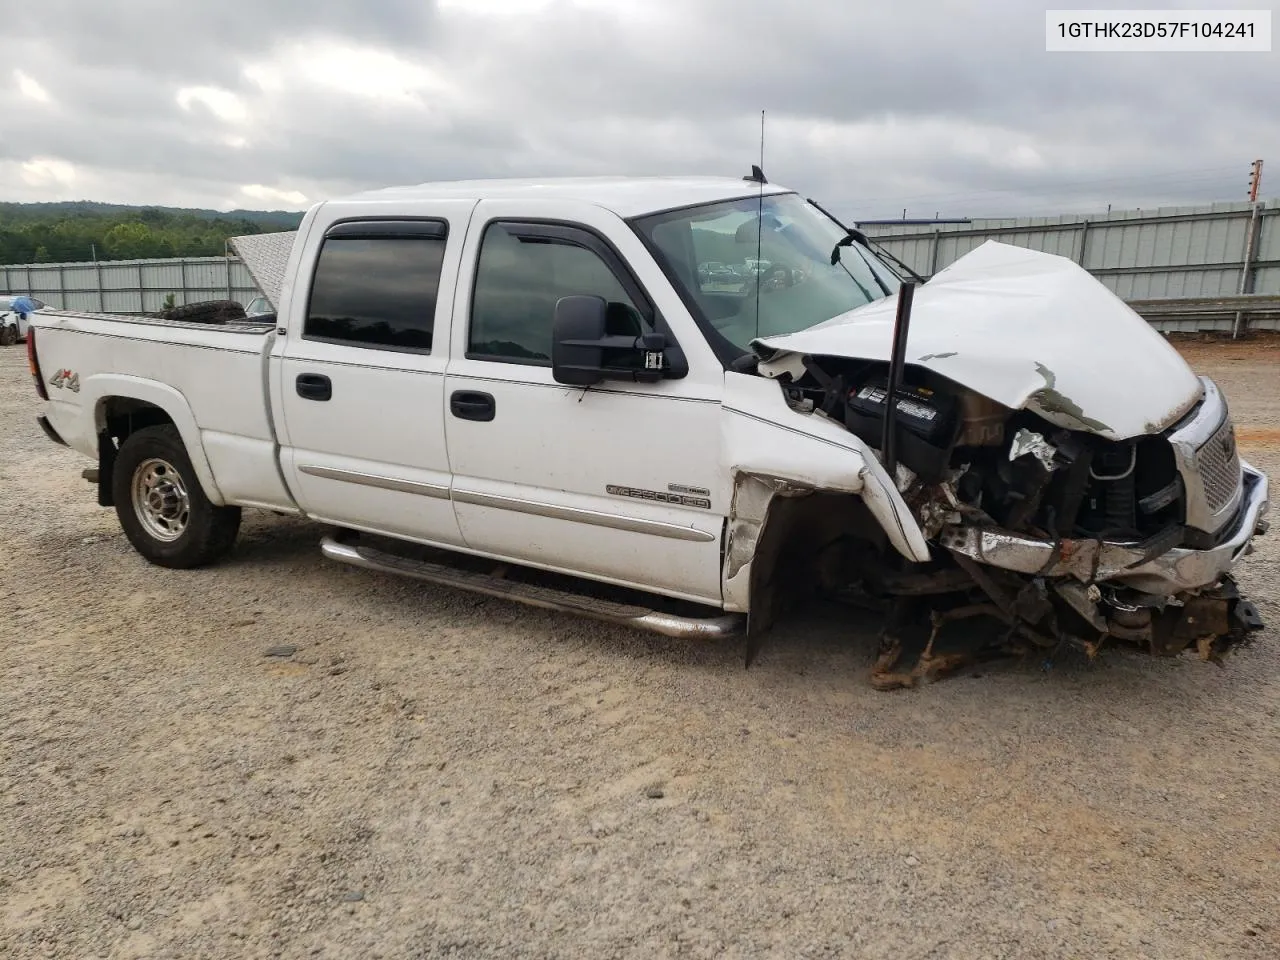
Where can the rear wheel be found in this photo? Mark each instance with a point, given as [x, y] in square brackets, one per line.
[162, 508]
[8, 336]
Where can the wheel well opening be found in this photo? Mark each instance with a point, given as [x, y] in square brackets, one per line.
[808, 547]
[120, 416]
[117, 418]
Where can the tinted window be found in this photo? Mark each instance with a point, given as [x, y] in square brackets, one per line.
[518, 281]
[376, 292]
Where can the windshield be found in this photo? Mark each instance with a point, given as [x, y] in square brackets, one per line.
[721, 254]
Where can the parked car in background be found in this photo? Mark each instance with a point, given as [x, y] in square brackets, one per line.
[14, 311]
[259, 307]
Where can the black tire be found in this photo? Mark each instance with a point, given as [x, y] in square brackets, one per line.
[8, 336]
[207, 311]
[198, 532]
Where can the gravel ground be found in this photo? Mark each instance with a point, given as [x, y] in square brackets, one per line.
[435, 774]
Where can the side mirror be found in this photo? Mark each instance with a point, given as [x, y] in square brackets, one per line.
[584, 353]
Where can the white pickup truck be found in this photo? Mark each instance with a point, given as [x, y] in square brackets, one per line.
[674, 403]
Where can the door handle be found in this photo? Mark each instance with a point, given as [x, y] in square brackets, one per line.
[472, 405]
[314, 386]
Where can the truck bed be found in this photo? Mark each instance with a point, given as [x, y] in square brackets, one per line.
[211, 380]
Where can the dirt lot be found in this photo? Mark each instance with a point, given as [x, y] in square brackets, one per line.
[433, 774]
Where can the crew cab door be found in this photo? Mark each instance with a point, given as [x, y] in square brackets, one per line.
[619, 481]
[361, 379]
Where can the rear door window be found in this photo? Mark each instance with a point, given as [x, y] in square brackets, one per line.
[376, 285]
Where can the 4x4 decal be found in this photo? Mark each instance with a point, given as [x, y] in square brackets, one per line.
[65, 378]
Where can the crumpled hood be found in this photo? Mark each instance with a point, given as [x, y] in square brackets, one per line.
[1027, 329]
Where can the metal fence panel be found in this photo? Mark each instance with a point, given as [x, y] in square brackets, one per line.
[1171, 252]
[125, 302]
[1267, 279]
[80, 276]
[120, 276]
[1269, 239]
[130, 286]
[164, 276]
[85, 301]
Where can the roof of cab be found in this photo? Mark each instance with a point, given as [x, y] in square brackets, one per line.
[625, 196]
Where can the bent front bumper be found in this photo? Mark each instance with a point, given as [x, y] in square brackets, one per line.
[1156, 566]
[1185, 569]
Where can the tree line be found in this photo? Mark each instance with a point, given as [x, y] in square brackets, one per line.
[75, 232]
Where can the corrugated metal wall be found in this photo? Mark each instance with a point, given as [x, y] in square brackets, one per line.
[130, 286]
[1170, 252]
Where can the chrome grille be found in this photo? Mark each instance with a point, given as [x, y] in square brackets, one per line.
[1219, 466]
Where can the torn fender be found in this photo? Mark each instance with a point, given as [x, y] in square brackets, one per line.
[1030, 330]
[771, 451]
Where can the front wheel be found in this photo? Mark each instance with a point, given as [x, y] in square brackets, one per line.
[162, 508]
[8, 335]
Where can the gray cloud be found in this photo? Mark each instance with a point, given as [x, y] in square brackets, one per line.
[199, 42]
[941, 106]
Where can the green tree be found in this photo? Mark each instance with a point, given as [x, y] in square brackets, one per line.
[130, 241]
[70, 232]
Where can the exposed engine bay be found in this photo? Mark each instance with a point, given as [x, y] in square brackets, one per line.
[1063, 536]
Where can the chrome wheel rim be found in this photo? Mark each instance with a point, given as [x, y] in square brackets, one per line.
[160, 499]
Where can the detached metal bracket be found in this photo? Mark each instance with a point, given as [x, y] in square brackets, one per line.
[901, 327]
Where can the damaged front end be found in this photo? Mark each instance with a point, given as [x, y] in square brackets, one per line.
[1063, 536]
[1064, 528]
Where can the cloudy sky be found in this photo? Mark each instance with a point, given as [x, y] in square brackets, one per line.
[930, 105]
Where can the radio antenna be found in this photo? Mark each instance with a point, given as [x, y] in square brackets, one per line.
[760, 226]
[1259, 163]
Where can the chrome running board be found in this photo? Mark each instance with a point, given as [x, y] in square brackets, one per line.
[640, 618]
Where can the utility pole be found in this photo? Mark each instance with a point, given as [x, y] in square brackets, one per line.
[1250, 242]
[1255, 180]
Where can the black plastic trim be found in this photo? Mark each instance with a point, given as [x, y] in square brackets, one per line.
[474, 405]
[314, 386]
[107, 452]
[581, 235]
[1197, 539]
[360, 229]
